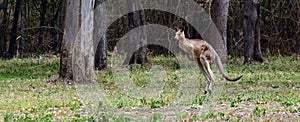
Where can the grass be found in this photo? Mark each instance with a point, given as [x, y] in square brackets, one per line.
[25, 96]
[170, 89]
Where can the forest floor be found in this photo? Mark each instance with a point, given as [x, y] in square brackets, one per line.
[166, 90]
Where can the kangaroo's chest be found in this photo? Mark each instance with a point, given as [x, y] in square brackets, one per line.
[195, 48]
[186, 47]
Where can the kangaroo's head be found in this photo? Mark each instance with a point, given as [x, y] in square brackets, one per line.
[179, 34]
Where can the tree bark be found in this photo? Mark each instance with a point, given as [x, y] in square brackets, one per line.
[83, 52]
[70, 31]
[60, 24]
[251, 28]
[42, 24]
[3, 39]
[137, 52]
[77, 61]
[12, 50]
[99, 25]
[219, 14]
[298, 35]
[22, 32]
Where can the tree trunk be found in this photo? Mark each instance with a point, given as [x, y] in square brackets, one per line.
[77, 61]
[70, 31]
[251, 28]
[219, 13]
[3, 39]
[298, 43]
[298, 35]
[60, 24]
[137, 52]
[13, 35]
[83, 55]
[100, 26]
[42, 24]
[23, 25]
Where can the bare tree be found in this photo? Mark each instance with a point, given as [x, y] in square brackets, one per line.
[42, 24]
[137, 40]
[299, 44]
[61, 12]
[3, 29]
[71, 29]
[12, 50]
[23, 25]
[251, 28]
[100, 24]
[77, 56]
[219, 14]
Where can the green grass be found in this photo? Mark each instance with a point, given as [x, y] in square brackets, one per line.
[26, 96]
[26, 69]
[164, 91]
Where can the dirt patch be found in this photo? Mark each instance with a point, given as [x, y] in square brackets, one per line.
[242, 111]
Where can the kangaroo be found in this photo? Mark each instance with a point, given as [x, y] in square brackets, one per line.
[204, 55]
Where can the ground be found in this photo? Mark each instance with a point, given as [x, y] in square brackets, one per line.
[166, 90]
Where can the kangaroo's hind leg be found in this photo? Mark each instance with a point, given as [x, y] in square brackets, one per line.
[206, 75]
[211, 77]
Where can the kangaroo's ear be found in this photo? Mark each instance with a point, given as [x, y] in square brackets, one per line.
[180, 28]
[177, 28]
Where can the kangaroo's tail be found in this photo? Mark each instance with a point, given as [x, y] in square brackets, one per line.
[220, 66]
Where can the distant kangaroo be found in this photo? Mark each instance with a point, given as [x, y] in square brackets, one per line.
[205, 55]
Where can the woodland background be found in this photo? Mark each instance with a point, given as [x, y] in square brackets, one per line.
[38, 38]
[43, 21]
